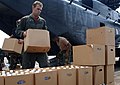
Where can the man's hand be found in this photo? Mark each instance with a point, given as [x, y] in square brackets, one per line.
[20, 41]
[24, 34]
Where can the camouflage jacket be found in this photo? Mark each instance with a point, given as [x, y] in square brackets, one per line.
[27, 22]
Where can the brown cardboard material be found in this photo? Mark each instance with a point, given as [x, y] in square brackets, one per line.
[84, 76]
[112, 83]
[2, 81]
[20, 80]
[90, 55]
[102, 35]
[46, 78]
[12, 45]
[110, 55]
[98, 75]
[109, 74]
[37, 41]
[67, 76]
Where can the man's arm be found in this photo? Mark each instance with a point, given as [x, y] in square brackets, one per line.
[21, 28]
[44, 26]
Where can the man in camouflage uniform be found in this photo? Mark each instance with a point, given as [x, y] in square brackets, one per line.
[64, 56]
[33, 21]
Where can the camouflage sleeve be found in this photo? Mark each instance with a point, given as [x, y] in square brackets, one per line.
[20, 28]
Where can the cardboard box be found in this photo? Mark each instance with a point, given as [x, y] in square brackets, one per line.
[89, 55]
[102, 35]
[20, 80]
[84, 76]
[110, 55]
[2, 81]
[46, 78]
[12, 45]
[109, 74]
[37, 41]
[98, 75]
[67, 77]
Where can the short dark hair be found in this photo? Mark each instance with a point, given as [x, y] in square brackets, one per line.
[37, 3]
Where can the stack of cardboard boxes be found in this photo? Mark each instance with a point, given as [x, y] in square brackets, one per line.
[28, 77]
[64, 75]
[93, 63]
[36, 41]
[105, 36]
[98, 53]
[90, 55]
